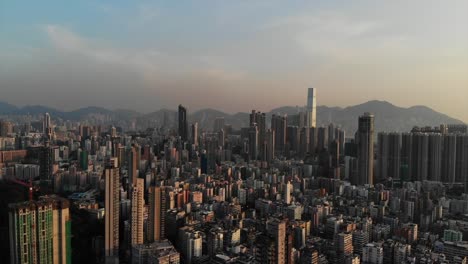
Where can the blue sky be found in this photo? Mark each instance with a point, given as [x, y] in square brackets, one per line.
[234, 55]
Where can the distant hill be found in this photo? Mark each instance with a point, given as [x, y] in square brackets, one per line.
[7, 108]
[388, 117]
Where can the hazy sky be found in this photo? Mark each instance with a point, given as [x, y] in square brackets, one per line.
[234, 55]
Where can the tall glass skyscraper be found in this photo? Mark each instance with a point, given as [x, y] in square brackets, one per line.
[311, 108]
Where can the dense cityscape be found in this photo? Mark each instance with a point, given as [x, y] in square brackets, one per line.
[281, 190]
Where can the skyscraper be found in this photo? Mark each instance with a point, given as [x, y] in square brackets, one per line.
[253, 142]
[435, 157]
[138, 204]
[279, 126]
[461, 164]
[292, 140]
[259, 119]
[389, 155]
[420, 157]
[112, 207]
[304, 141]
[449, 158]
[334, 159]
[311, 108]
[344, 245]
[46, 123]
[157, 213]
[287, 192]
[132, 165]
[46, 163]
[322, 139]
[313, 140]
[40, 231]
[183, 125]
[270, 145]
[382, 155]
[365, 141]
[276, 229]
[195, 134]
[190, 243]
[406, 156]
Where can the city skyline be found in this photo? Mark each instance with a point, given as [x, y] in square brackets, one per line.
[227, 51]
[234, 132]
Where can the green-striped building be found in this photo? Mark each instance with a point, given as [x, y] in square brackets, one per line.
[40, 231]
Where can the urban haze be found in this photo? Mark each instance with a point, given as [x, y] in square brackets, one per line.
[237, 132]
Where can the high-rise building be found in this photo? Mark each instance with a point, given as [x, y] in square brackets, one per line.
[270, 145]
[112, 207]
[365, 141]
[40, 231]
[322, 139]
[410, 232]
[266, 251]
[343, 246]
[138, 204]
[84, 160]
[373, 253]
[406, 156]
[304, 139]
[453, 235]
[313, 140]
[157, 213]
[6, 128]
[457, 128]
[309, 255]
[311, 108]
[253, 142]
[259, 119]
[435, 157]
[221, 137]
[46, 124]
[279, 126]
[276, 229]
[360, 239]
[46, 163]
[133, 165]
[334, 159]
[218, 124]
[183, 125]
[344, 243]
[292, 140]
[389, 155]
[420, 157]
[287, 192]
[190, 243]
[382, 155]
[449, 153]
[194, 134]
[461, 163]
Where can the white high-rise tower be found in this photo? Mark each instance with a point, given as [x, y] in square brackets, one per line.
[311, 108]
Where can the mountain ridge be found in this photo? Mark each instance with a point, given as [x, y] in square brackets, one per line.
[388, 117]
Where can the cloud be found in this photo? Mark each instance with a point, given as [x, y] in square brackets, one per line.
[150, 63]
[336, 35]
[66, 40]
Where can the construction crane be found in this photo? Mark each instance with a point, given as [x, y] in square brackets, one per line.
[28, 185]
